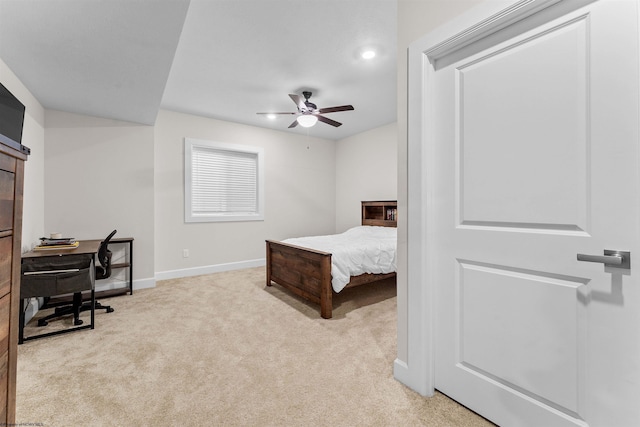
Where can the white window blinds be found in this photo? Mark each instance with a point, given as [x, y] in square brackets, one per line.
[222, 182]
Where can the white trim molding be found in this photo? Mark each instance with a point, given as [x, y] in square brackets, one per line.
[209, 269]
[122, 284]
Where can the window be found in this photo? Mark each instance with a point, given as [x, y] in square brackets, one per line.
[223, 182]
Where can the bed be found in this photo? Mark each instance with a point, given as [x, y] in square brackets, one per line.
[304, 266]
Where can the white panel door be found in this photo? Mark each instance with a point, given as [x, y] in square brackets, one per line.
[536, 133]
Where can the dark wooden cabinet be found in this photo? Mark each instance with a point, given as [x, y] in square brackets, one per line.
[380, 213]
[11, 186]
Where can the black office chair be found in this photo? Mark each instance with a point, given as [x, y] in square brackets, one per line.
[102, 272]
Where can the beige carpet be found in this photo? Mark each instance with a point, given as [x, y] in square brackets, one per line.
[224, 349]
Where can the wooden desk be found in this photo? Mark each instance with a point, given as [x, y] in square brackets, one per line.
[48, 284]
[84, 247]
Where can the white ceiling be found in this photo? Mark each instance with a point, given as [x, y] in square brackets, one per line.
[225, 59]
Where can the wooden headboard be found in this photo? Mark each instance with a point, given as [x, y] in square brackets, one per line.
[381, 213]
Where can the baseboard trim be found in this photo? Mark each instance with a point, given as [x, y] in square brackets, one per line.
[144, 283]
[120, 284]
[33, 305]
[402, 373]
[208, 269]
[177, 274]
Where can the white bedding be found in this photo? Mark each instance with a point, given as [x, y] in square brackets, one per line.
[359, 250]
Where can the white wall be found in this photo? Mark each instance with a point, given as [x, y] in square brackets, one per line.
[366, 169]
[32, 137]
[300, 181]
[99, 177]
[415, 19]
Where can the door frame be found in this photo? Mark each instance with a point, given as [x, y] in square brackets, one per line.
[418, 371]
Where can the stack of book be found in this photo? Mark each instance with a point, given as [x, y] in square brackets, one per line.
[62, 243]
[392, 214]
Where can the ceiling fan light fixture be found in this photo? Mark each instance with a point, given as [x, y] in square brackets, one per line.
[309, 114]
[307, 120]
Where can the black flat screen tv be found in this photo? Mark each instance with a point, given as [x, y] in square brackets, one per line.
[11, 120]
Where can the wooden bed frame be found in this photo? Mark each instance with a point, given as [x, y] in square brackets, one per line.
[307, 272]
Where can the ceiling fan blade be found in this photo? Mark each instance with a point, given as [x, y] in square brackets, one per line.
[335, 109]
[298, 101]
[328, 121]
[294, 124]
[277, 113]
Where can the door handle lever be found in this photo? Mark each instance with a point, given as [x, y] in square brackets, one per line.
[620, 259]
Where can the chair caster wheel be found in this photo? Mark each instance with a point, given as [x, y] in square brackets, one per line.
[77, 322]
[110, 310]
[42, 322]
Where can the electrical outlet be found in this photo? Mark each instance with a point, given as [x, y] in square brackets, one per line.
[185, 253]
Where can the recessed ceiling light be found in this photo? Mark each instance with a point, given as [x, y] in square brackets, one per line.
[271, 116]
[368, 54]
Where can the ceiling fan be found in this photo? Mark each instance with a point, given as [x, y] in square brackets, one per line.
[309, 113]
